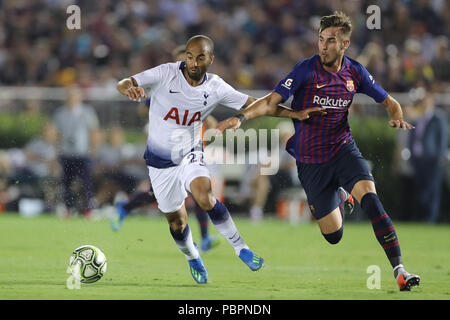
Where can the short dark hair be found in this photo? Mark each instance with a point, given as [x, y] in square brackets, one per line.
[200, 37]
[337, 19]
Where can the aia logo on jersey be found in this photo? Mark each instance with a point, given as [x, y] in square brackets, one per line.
[175, 115]
[350, 86]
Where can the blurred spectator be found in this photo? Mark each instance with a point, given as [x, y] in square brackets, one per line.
[441, 64]
[42, 160]
[287, 176]
[429, 149]
[254, 188]
[119, 35]
[16, 179]
[75, 122]
[402, 167]
[112, 167]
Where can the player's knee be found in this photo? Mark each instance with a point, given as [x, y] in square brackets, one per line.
[334, 237]
[177, 225]
[206, 201]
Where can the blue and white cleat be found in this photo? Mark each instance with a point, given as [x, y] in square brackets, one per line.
[198, 270]
[120, 214]
[251, 259]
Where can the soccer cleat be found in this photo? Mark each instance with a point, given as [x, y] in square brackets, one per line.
[347, 204]
[407, 280]
[120, 214]
[198, 269]
[209, 242]
[251, 259]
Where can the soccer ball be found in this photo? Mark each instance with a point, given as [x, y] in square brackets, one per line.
[87, 263]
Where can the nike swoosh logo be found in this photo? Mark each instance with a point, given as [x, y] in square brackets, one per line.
[318, 87]
[389, 235]
[171, 91]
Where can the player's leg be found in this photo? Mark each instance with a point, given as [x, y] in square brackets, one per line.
[84, 171]
[200, 188]
[365, 193]
[332, 226]
[141, 197]
[208, 241]
[354, 175]
[323, 198]
[218, 185]
[347, 204]
[67, 177]
[123, 208]
[170, 193]
[181, 233]
[260, 187]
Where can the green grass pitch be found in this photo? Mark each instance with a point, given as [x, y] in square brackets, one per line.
[144, 263]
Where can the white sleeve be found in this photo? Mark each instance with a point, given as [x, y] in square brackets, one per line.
[151, 77]
[230, 97]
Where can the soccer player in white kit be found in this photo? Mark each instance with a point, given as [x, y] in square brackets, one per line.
[182, 96]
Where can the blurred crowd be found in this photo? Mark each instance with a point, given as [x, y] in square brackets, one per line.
[74, 166]
[256, 41]
[77, 166]
[422, 160]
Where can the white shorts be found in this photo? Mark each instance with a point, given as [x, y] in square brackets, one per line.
[171, 185]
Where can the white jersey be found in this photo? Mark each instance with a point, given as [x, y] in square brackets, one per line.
[178, 109]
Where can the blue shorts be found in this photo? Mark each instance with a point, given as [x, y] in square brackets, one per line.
[321, 181]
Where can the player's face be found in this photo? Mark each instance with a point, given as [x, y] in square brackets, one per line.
[331, 46]
[198, 60]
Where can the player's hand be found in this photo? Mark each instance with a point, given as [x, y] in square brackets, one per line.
[230, 123]
[400, 124]
[308, 112]
[136, 93]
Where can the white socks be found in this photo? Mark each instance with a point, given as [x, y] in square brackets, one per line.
[185, 243]
[230, 232]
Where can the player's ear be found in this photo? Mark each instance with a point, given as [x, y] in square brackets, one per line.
[212, 59]
[346, 44]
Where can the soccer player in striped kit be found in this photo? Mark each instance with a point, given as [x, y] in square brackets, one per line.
[327, 157]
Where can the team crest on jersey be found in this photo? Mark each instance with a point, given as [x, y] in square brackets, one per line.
[205, 95]
[350, 86]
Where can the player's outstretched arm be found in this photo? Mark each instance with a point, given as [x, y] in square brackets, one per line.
[395, 112]
[267, 106]
[129, 88]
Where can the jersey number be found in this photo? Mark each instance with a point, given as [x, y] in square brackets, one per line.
[196, 158]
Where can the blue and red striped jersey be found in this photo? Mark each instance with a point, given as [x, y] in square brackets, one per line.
[317, 139]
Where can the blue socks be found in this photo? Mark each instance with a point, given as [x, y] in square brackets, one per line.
[219, 213]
